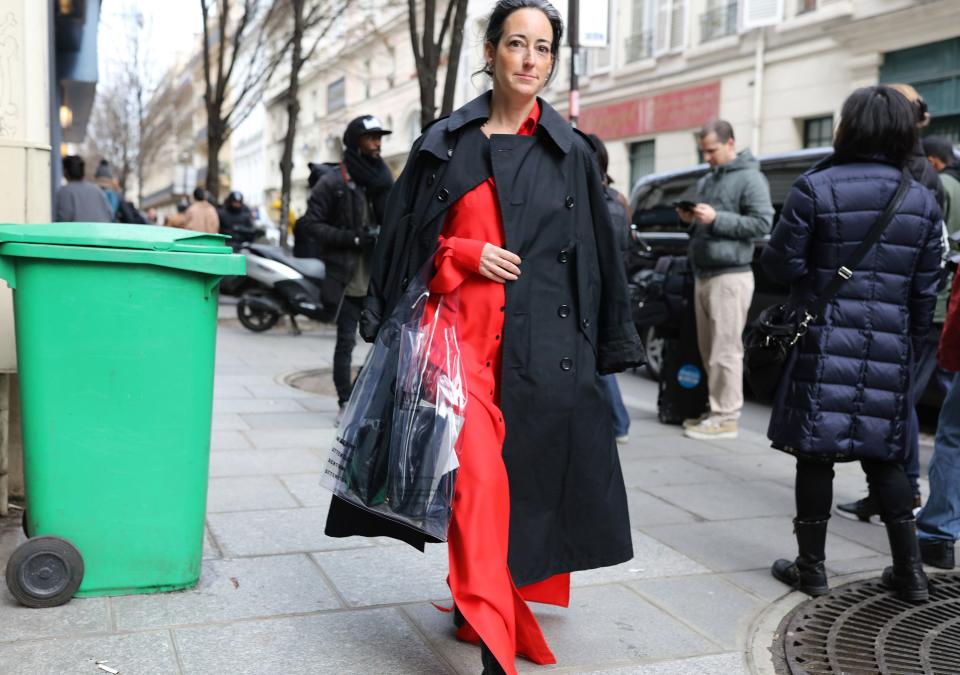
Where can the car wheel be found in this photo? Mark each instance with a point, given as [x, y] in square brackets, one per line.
[653, 346]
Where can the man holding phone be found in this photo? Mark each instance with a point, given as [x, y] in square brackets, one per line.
[733, 209]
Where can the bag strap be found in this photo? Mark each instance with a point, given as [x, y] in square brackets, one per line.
[845, 272]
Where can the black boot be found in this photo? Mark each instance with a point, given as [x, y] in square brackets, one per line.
[906, 576]
[490, 664]
[937, 553]
[806, 573]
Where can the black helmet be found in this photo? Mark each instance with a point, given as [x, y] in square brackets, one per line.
[235, 196]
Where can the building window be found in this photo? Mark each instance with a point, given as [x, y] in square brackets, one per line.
[806, 6]
[670, 25]
[719, 20]
[642, 160]
[818, 132]
[337, 95]
[639, 42]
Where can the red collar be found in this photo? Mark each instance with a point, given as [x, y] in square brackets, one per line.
[530, 124]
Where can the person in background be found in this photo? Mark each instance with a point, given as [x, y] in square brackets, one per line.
[938, 523]
[152, 216]
[178, 218]
[344, 214]
[236, 220]
[734, 209]
[939, 152]
[845, 394]
[617, 205]
[201, 216]
[80, 201]
[104, 179]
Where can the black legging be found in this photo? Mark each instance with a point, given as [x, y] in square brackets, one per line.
[887, 480]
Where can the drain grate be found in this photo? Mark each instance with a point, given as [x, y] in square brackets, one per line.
[862, 629]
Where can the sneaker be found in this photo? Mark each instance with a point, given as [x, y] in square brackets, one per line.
[938, 553]
[866, 510]
[622, 440]
[712, 428]
[694, 421]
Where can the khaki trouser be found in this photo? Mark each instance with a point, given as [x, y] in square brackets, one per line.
[721, 304]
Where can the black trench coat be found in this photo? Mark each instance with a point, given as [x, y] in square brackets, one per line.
[566, 319]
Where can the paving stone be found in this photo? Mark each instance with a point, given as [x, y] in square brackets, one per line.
[221, 390]
[666, 445]
[865, 534]
[246, 493]
[256, 405]
[288, 420]
[228, 440]
[228, 422]
[729, 499]
[874, 564]
[760, 582]
[251, 533]
[133, 654]
[307, 490]
[712, 605]
[736, 545]
[264, 462]
[86, 615]
[719, 664]
[210, 548]
[411, 576]
[648, 472]
[319, 438]
[274, 390]
[319, 404]
[362, 642]
[773, 466]
[603, 625]
[232, 589]
[645, 509]
[748, 441]
[651, 559]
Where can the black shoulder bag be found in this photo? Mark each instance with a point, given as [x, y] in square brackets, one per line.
[777, 330]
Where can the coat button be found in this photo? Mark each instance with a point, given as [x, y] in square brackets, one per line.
[566, 363]
[563, 256]
[586, 323]
[570, 202]
[431, 178]
[443, 194]
[563, 311]
[403, 284]
[449, 152]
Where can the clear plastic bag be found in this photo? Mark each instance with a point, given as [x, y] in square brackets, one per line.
[396, 448]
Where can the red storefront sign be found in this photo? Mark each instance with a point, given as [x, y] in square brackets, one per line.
[671, 111]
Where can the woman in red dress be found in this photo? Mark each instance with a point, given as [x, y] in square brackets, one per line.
[512, 195]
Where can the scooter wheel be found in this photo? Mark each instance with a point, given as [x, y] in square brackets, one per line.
[44, 572]
[257, 320]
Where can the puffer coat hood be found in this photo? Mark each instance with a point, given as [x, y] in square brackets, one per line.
[845, 394]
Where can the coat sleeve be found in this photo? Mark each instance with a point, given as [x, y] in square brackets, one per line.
[618, 344]
[389, 243]
[926, 279]
[321, 213]
[756, 212]
[949, 352]
[785, 256]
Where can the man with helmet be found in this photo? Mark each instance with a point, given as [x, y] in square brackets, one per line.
[343, 218]
[236, 221]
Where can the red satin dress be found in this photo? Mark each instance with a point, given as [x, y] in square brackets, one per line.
[495, 610]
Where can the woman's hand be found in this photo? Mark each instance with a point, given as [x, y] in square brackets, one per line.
[498, 264]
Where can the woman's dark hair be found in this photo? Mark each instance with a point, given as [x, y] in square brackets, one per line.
[876, 123]
[505, 8]
[603, 159]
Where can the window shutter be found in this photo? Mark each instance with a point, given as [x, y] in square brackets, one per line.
[758, 13]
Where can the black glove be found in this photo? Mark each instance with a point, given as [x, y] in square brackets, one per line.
[369, 325]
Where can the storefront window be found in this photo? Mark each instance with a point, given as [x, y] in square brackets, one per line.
[642, 160]
[818, 132]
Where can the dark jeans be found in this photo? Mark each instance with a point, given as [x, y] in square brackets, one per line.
[887, 480]
[346, 340]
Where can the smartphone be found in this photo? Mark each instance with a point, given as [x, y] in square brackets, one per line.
[685, 205]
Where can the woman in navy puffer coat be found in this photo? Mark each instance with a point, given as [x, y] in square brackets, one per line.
[845, 394]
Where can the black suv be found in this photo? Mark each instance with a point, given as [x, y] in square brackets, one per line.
[658, 231]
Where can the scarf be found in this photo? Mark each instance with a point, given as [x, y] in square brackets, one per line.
[373, 175]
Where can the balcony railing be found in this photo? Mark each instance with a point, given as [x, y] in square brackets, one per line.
[719, 22]
[639, 46]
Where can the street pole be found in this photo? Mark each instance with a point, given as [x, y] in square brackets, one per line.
[574, 27]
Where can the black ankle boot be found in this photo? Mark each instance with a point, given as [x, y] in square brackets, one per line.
[937, 553]
[906, 576]
[490, 664]
[806, 573]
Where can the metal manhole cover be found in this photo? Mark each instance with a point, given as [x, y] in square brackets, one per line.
[862, 629]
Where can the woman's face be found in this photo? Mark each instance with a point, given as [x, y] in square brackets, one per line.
[522, 60]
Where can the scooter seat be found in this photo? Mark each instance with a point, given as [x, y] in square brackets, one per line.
[308, 267]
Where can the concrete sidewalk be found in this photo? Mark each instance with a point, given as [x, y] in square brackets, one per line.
[277, 596]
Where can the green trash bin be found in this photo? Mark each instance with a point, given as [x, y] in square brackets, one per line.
[116, 335]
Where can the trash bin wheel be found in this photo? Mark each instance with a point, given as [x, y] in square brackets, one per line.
[44, 572]
[255, 318]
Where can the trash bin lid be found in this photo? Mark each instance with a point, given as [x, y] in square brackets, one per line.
[115, 235]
